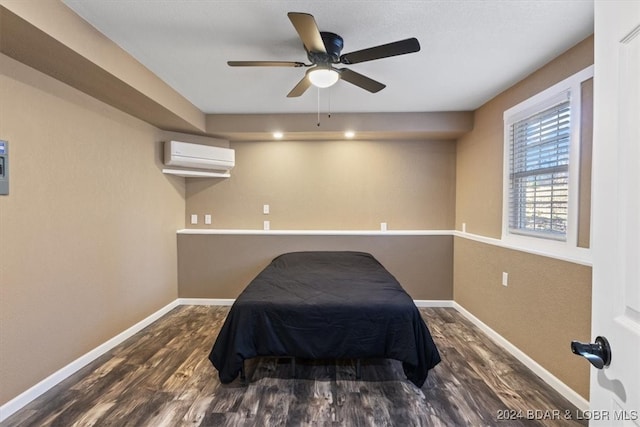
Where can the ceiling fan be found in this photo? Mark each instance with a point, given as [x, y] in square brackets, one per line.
[323, 50]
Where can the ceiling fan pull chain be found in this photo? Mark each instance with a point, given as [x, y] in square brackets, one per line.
[329, 93]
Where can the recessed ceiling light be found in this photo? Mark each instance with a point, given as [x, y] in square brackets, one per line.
[278, 135]
[349, 134]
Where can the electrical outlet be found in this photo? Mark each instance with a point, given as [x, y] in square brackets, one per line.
[207, 219]
[194, 218]
[383, 226]
[266, 225]
[265, 209]
[505, 278]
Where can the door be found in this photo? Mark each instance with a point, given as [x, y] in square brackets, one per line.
[615, 390]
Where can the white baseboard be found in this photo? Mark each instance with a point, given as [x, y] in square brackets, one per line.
[205, 301]
[433, 303]
[32, 393]
[580, 402]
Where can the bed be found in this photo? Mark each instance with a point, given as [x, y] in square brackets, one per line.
[325, 305]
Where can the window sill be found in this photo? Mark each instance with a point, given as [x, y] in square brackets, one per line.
[551, 249]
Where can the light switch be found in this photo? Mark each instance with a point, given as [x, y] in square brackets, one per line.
[207, 219]
[194, 219]
[505, 278]
[265, 209]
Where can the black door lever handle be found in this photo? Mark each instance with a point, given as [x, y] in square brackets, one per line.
[598, 353]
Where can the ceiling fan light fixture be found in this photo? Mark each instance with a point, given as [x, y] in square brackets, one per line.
[323, 77]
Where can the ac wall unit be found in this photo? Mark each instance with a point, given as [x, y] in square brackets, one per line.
[196, 160]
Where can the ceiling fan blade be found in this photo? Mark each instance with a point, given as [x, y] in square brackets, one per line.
[300, 88]
[305, 25]
[361, 81]
[383, 51]
[265, 64]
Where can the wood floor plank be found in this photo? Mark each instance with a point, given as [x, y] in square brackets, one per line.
[162, 377]
[172, 413]
[275, 402]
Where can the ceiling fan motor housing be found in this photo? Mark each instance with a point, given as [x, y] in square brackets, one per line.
[333, 44]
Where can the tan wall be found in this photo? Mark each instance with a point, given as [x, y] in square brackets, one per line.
[221, 266]
[332, 185]
[88, 230]
[547, 302]
[586, 158]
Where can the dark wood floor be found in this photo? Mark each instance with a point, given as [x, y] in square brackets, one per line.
[162, 377]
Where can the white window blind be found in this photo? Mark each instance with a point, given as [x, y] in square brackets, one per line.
[539, 173]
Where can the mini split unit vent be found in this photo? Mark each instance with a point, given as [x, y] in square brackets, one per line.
[196, 160]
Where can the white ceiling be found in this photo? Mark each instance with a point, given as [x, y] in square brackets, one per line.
[471, 50]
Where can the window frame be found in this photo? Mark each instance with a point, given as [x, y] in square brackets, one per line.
[569, 88]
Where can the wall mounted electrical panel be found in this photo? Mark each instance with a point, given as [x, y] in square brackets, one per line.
[4, 168]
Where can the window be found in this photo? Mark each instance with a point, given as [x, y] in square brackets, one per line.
[539, 173]
[541, 170]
